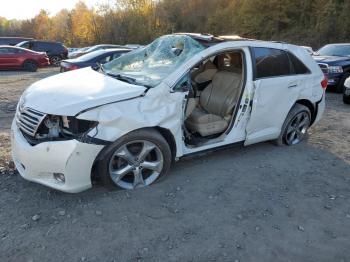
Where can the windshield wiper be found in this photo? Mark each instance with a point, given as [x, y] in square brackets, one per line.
[127, 79]
[99, 67]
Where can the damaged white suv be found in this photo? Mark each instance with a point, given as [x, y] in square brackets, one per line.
[184, 93]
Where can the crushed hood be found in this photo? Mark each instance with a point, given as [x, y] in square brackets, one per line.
[72, 92]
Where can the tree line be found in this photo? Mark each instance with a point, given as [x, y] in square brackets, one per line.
[311, 22]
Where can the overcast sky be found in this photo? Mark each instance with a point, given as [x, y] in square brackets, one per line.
[23, 9]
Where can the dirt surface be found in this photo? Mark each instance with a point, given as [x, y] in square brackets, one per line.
[260, 203]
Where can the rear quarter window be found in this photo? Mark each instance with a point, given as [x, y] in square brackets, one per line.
[298, 66]
[271, 62]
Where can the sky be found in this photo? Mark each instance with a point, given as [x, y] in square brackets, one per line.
[24, 9]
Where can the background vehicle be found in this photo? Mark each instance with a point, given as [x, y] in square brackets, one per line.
[13, 40]
[84, 51]
[92, 59]
[56, 51]
[19, 58]
[346, 94]
[309, 49]
[334, 60]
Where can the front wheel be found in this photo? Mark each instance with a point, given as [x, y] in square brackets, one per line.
[136, 160]
[340, 87]
[295, 127]
[346, 99]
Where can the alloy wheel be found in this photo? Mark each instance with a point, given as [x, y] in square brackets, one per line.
[136, 164]
[297, 128]
[55, 60]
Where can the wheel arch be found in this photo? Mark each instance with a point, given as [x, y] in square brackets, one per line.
[169, 137]
[166, 133]
[29, 60]
[311, 106]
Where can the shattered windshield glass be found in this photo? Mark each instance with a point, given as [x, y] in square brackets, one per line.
[150, 65]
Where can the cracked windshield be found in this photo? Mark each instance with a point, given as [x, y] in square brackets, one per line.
[150, 65]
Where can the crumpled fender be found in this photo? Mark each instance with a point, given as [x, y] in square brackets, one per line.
[157, 108]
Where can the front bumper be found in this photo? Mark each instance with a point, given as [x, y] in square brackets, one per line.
[333, 79]
[38, 163]
[43, 62]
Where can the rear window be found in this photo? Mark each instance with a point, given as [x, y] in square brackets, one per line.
[271, 62]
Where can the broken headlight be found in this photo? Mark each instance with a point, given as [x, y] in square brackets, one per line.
[64, 127]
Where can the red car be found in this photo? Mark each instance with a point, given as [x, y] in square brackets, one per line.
[19, 58]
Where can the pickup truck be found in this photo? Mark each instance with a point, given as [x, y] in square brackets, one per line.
[334, 60]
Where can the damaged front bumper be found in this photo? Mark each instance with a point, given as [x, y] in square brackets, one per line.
[44, 163]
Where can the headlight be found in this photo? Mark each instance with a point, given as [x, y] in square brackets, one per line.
[64, 127]
[335, 69]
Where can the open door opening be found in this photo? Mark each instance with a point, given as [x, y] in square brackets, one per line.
[216, 85]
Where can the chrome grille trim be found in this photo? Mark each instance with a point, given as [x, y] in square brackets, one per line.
[29, 120]
[324, 67]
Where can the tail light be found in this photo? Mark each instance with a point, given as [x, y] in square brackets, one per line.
[324, 83]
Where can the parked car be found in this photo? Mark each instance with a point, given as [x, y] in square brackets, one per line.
[72, 49]
[92, 59]
[18, 58]
[334, 60]
[13, 40]
[84, 51]
[308, 49]
[56, 51]
[346, 95]
[182, 94]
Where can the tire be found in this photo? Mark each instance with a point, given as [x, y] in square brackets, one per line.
[340, 87]
[293, 128]
[30, 66]
[55, 60]
[135, 160]
[346, 99]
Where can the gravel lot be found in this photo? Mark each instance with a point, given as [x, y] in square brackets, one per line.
[260, 203]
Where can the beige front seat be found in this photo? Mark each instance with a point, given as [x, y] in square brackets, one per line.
[216, 104]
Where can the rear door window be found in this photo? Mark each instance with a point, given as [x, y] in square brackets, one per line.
[271, 62]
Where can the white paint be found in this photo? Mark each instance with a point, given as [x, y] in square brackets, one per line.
[103, 99]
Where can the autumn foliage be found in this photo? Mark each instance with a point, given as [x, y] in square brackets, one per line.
[311, 22]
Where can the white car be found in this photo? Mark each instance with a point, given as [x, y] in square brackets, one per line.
[183, 93]
[309, 49]
[346, 95]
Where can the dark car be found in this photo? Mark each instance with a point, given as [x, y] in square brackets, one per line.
[84, 51]
[334, 60]
[13, 40]
[19, 58]
[92, 59]
[56, 51]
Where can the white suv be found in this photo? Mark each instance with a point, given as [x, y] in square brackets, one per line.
[183, 93]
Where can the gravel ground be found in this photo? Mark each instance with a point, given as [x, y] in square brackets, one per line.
[260, 203]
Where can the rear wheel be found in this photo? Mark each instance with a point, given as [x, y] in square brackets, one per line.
[30, 66]
[136, 160]
[295, 127]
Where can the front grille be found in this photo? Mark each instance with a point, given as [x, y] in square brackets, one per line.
[29, 120]
[324, 68]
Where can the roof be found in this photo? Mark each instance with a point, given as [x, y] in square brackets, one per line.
[209, 39]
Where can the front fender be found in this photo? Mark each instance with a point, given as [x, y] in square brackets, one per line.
[158, 108]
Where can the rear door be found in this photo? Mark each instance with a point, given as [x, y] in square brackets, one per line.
[8, 57]
[276, 90]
